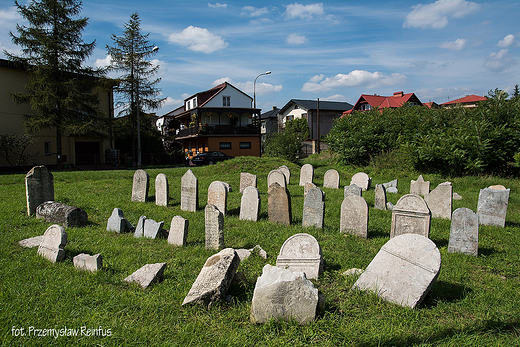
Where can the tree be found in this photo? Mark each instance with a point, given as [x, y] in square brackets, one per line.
[59, 88]
[135, 89]
[14, 146]
[288, 144]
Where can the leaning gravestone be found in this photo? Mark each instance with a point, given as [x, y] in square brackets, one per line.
[68, 216]
[214, 227]
[218, 195]
[440, 200]
[39, 187]
[214, 279]
[147, 274]
[278, 204]
[178, 231]
[301, 252]
[352, 190]
[189, 192]
[361, 180]
[247, 180]
[313, 208]
[148, 228]
[118, 223]
[250, 204]
[391, 184]
[464, 232]
[410, 215]
[286, 172]
[306, 174]
[88, 262]
[492, 207]
[403, 271]
[380, 197]
[276, 176]
[53, 243]
[140, 186]
[354, 216]
[331, 179]
[420, 187]
[161, 190]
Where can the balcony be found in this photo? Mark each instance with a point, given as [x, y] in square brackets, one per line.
[206, 130]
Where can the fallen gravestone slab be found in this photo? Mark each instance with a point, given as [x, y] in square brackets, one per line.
[53, 243]
[301, 252]
[68, 216]
[392, 190]
[464, 232]
[31, 242]
[140, 186]
[178, 231]
[117, 222]
[39, 187]
[147, 274]
[88, 262]
[392, 184]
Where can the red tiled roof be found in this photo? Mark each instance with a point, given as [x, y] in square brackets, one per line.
[468, 99]
[380, 102]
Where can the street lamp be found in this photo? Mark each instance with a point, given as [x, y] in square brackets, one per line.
[254, 86]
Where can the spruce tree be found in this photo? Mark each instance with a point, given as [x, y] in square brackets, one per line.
[59, 87]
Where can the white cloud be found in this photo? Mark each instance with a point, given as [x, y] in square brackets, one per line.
[335, 97]
[356, 78]
[499, 61]
[436, 15]
[294, 39]
[261, 21]
[217, 5]
[253, 11]
[507, 41]
[248, 87]
[458, 45]
[172, 102]
[198, 40]
[297, 10]
[103, 62]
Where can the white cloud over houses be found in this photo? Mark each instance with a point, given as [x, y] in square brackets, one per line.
[499, 61]
[295, 39]
[248, 87]
[297, 10]
[507, 41]
[356, 78]
[457, 45]
[435, 15]
[198, 40]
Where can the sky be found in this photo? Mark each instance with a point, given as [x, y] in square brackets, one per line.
[332, 50]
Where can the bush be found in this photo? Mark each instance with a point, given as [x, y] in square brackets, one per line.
[288, 144]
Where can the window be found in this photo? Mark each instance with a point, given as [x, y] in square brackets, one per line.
[47, 148]
[188, 105]
[226, 101]
[245, 145]
[225, 145]
[365, 107]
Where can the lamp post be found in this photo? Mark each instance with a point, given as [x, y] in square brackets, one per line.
[254, 86]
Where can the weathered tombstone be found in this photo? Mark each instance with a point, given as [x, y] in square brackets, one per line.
[392, 190]
[178, 231]
[354, 216]
[352, 190]
[497, 187]
[390, 184]
[228, 186]
[420, 187]
[189, 192]
[162, 190]
[281, 294]
[214, 226]
[361, 180]
[286, 172]
[492, 207]
[301, 252]
[214, 278]
[464, 232]
[410, 215]
[147, 274]
[148, 228]
[88, 262]
[31, 242]
[53, 243]
[313, 208]
[389, 206]
[118, 223]
[140, 186]
[276, 176]
[306, 174]
[380, 197]
[39, 187]
[403, 271]
[331, 179]
[218, 195]
[279, 204]
[57, 213]
[250, 204]
[306, 188]
[246, 180]
[440, 200]
[139, 229]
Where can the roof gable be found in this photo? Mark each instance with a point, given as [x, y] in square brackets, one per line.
[468, 99]
[207, 95]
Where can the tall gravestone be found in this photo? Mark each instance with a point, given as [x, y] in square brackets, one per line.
[140, 186]
[354, 216]
[352, 190]
[189, 192]
[250, 204]
[218, 195]
[380, 197]
[314, 208]
[492, 207]
[361, 180]
[214, 227]
[464, 232]
[178, 231]
[53, 243]
[306, 174]
[331, 179]
[39, 187]
[301, 252]
[420, 187]
[162, 190]
[276, 176]
[279, 204]
[286, 172]
[410, 215]
[440, 200]
[247, 180]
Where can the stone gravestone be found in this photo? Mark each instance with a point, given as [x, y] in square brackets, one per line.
[352, 190]
[250, 204]
[118, 223]
[68, 216]
[246, 180]
[31, 242]
[88, 262]
[286, 172]
[53, 243]
[147, 274]
[380, 197]
[301, 252]
[497, 187]
[178, 231]
[162, 190]
[214, 226]
[440, 200]
[276, 176]
[354, 216]
[278, 204]
[140, 186]
[148, 228]
[361, 180]
[313, 208]
[306, 174]
[403, 271]
[464, 232]
[39, 187]
[492, 207]
[331, 179]
[307, 187]
[410, 215]
[218, 195]
[391, 184]
[189, 192]
[420, 187]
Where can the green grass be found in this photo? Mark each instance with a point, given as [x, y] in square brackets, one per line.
[476, 300]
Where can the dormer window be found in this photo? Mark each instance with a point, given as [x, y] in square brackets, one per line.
[188, 105]
[365, 107]
[226, 101]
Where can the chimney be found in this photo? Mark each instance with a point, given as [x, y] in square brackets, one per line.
[274, 108]
[397, 94]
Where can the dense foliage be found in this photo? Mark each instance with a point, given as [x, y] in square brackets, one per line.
[452, 141]
[287, 144]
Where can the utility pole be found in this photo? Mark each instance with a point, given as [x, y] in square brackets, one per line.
[318, 127]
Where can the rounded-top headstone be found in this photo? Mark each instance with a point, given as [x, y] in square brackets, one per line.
[140, 186]
[301, 252]
[276, 176]
[361, 180]
[306, 174]
[331, 179]
[286, 172]
[412, 202]
[410, 215]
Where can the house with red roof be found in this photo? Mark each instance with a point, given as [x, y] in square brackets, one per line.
[467, 101]
[369, 102]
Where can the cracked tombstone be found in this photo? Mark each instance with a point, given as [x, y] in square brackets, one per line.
[140, 186]
[354, 216]
[380, 197]
[53, 243]
[410, 215]
[314, 208]
[306, 174]
[147, 274]
[214, 227]
[331, 179]
[218, 195]
[492, 207]
[440, 200]
[162, 190]
[178, 231]
[189, 192]
[250, 204]
[420, 187]
[88, 262]
[39, 187]
[464, 232]
[301, 252]
[279, 204]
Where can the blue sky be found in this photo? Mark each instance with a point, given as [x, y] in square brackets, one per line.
[332, 50]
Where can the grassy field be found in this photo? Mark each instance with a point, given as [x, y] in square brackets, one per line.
[476, 300]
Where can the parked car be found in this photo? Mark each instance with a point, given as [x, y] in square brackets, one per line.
[209, 158]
